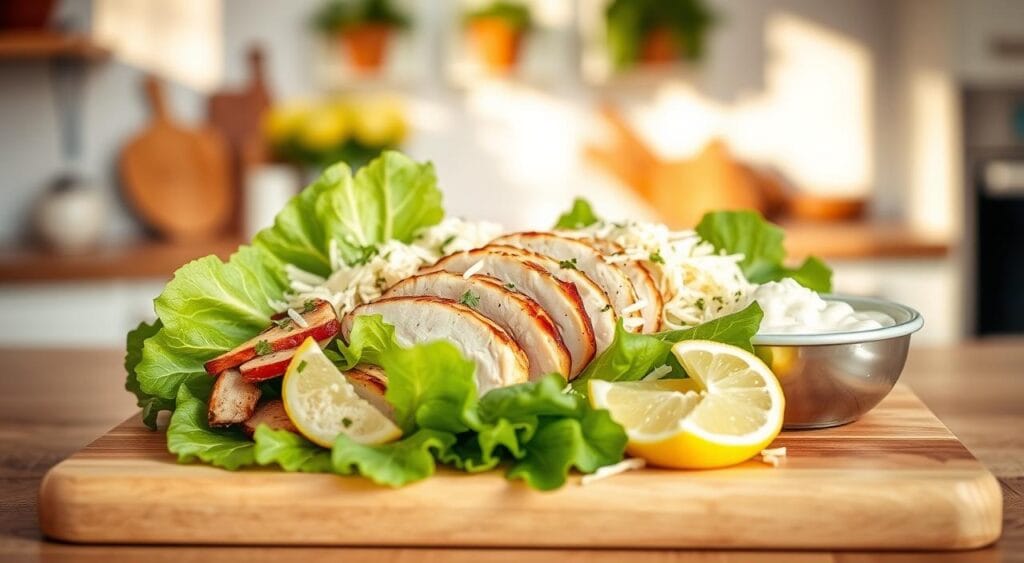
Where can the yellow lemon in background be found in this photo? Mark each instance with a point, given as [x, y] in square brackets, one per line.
[284, 122]
[730, 409]
[378, 123]
[324, 129]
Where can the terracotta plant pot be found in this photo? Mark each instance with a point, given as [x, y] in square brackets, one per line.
[367, 46]
[496, 42]
[660, 47]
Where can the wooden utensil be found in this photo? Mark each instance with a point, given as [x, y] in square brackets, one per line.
[177, 179]
[895, 479]
[238, 116]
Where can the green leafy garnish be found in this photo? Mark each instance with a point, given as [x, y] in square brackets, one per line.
[656, 258]
[760, 243]
[469, 300]
[190, 437]
[309, 305]
[581, 215]
[632, 356]
[151, 405]
[263, 348]
[289, 451]
[569, 264]
[393, 464]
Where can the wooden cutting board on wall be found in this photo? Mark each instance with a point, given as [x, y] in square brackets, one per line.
[896, 479]
[177, 178]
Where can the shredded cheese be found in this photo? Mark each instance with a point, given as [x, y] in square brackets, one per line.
[473, 270]
[640, 304]
[773, 456]
[658, 373]
[295, 316]
[607, 471]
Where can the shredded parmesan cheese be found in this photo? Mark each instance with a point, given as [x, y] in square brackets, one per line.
[658, 373]
[295, 316]
[473, 270]
[773, 456]
[640, 304]
[607, 471]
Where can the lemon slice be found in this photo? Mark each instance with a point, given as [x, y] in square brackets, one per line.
[730, 409]
[321, 403]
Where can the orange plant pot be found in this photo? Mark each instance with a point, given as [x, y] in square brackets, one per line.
[660, 47]
[497, 44]
[367, 46]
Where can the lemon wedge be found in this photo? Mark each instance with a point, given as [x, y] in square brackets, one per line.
[730, 409]
[321, 403]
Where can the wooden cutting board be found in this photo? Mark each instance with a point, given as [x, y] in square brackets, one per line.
[897, 479]
[177, 178]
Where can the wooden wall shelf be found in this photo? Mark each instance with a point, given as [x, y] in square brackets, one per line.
[34, 45]
[141, 260]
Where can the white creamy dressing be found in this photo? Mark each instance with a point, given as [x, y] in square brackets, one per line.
[790, 308]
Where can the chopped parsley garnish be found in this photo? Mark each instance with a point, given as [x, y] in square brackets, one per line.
[302, 366]
[700, 303]
[365, 254]
[569, 264]
[263, 348]
[469, 300]
[656, 258]
[346, 422]
[309, 306]
[447, 241]
[510, 286]
[283, 323]
[606, 308]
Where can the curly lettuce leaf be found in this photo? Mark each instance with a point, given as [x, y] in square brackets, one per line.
[632, 356]
[393, 464]
[581, 215]
[760, 243]
[392, 197]
[191, 438]
[290, 451]
[151, 405]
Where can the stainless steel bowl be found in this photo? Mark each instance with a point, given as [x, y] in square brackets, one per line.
[833, 378]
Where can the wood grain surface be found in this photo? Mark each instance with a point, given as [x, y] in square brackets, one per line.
[896, 479]
[54, 401]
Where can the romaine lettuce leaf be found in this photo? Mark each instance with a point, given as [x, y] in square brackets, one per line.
[760, 243]
[393, 464]
[151, 405]
[581, 215]
[191, 438]
[392, 197]
[290, 451]
[632, 356]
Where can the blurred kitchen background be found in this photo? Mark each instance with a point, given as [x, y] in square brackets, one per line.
[887, 136]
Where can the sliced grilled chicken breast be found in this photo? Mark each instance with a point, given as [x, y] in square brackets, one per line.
[521, 317]
[596, 303]
[580, 255]
[499, 359]
[232, 400]
[272, 414]
[643, 282]
[371, 383]
[561, 300]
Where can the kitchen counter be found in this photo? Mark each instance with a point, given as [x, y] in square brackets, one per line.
[54, 401]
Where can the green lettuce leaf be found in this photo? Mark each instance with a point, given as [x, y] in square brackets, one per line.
[151, 405]
[632, 356]
[290, 451]
[392, 197]
[393, 464]
[581, 215]
[191, 438]
[760, 243]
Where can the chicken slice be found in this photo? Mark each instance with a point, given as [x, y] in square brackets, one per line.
[499, 359]
[272, 414]
[643, 282]
[523, 318]
[561, 300]
[580, 255]
[371, 383]
[233, 399]
[596, 303]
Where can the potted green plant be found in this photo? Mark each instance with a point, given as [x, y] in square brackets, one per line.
[656, 31]
[363, 27]
[496, 32]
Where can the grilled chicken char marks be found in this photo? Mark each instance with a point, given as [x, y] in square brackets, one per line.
[561, 300]
[579, 255]
[500, 361]
[520, 316]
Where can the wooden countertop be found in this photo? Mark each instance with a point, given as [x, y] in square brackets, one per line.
[158, 260]
[53, 402]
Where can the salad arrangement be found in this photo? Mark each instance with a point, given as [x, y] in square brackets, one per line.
[365, 333]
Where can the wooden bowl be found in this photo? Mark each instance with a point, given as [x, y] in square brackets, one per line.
[823, 208]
